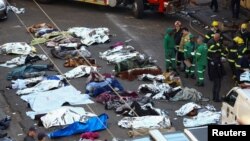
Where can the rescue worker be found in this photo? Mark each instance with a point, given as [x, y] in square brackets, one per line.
[235, 7]
[217, 72]
[213, 46]
[243, 64]
[184, 39]
[244, 34]
[189, 49]
[201, 61]
[214, 29]
[177, 35]
[169, 46]
[241, 49]
[232, 56]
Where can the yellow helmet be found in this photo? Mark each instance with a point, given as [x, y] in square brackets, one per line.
[244, 26]
[238, 40]
[215, 23]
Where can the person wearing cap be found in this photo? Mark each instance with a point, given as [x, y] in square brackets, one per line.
[214, 4]
[244, 34]
[214, 46]
[41, 136]
[214, 29]
[201, 61]
[241, 47]
[31, 134]
[169, 46]
[217, 72]
[189, 49]
[235, 7]
[184, 39]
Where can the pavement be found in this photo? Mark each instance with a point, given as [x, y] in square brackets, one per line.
[146, 35]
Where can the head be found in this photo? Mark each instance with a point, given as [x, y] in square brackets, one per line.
[199, 40]
[216, 37]
[41, 136]
[32, 132]
[169, 31]
[243, 27]
[192, 38]
[185, 31]
[238, 40]
[215, 25]
[177, 24]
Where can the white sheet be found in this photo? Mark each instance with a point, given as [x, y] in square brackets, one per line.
[43, 102]
[79, 71]
[16, 48]
[65, 115]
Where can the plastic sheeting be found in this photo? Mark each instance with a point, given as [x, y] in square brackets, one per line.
[42, 86]
[65, 115]
[145, 122]
[187, 108]
[17, 61]
[187, 94]
[90, 36]
[43, 102]
[15, 9]
[16, 48]
[203, 118]
[79, 71]
[92, 125]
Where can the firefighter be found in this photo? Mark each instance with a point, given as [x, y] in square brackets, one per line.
[177, 36]
[169, 46]
[214, 29]
[232, 56]
[214, 46]
[189, 49]
[244, 34]
[243, 64]
[184, 39]
[201, 61]
[241, 47]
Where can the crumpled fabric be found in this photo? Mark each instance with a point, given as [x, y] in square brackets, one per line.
[47, 37]
[79, 71]
[65, 115]
[15, 9]
[35, 27]
[189, 94]
[24, 83]
[145, 77]
[155, 90]
[64, 41]
[187, 108]
[152, 122]
[89, 135]
[90, 36]
[42, 86]
[24, 59]
[55, 99]
[92, 125]
[119, 54]
[5, 123]
[66, 54]
[203, 118]
[96, 88]
[21, 48]
[27, 71]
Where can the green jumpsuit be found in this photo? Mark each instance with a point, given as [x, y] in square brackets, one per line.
[201, 62]
[188, 49]
[169, 46]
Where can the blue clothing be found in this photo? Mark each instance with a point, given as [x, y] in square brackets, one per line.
[92, 125]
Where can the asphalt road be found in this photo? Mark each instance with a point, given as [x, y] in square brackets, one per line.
[146, 35]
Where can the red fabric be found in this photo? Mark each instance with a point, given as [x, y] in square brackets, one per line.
[90, 135]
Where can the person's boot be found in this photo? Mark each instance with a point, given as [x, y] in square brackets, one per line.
[186, 75]
[50, 67]
[192, 76]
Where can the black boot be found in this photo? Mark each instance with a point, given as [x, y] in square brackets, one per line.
[2, 135]
[186, 75]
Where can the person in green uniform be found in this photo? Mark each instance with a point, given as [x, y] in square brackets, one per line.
[189, 48]
[201, 61]
[169, 46]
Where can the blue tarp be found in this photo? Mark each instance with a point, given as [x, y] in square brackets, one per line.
[92, 125]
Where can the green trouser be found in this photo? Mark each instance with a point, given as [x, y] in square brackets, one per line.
[170, 61]
[200, 73]
[190, 70]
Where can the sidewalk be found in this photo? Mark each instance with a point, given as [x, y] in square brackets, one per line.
[205, 15]
[14, 131]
